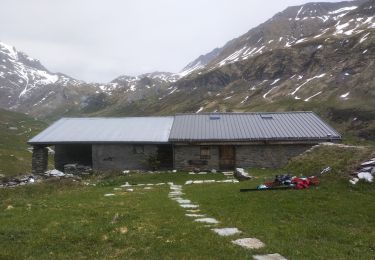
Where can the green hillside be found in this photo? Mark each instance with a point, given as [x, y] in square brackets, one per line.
[15, 130]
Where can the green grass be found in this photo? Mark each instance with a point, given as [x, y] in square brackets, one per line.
[64, 219]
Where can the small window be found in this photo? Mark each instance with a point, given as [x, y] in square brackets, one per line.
[205, 152]
[266, 116]
[214, 117]
[138, 149]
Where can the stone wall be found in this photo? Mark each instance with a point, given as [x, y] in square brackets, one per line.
[267, 156]
[247, 156]
[188, 157]
[39, 160]
[120, 157]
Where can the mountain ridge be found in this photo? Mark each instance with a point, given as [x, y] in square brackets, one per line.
[317, 56]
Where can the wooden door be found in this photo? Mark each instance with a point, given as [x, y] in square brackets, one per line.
[226, 157]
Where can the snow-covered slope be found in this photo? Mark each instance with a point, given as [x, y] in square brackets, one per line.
[21, 77]
[292, 26]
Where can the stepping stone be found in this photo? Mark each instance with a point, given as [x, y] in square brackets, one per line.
[202, 173]
[207, 220]
[116, 188]
[161, 183]
[249, 243]
[141, 184]
[195, 215]
[209, 181]
[188, 182]
[176, 193]
[125, 185]
[189, 206]
[130, 190]
[147, 188]
[197, 182]
[226, 231]
[109, 195]
[175, 198]
[150, 184]
[183, 201]
[193, 210]
[269, 257]
[192, 173]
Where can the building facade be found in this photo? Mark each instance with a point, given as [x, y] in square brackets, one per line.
[221, 141]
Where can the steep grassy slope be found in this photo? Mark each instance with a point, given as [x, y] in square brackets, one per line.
[15, 130]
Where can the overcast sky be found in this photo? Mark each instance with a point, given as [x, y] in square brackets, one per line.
[98, 40]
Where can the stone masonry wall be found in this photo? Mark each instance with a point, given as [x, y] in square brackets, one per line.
[120, 157]
[39, 160]
[267, 156]
[188, 158]
[247, 156]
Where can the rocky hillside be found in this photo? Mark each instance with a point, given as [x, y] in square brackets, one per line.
[319, 56]
[325, 64]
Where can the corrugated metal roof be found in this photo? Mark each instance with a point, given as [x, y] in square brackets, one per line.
[96, 130]
[251, 127]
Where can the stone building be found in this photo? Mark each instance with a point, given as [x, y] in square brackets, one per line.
[220, 141]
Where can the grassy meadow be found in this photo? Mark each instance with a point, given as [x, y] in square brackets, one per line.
[66, 219]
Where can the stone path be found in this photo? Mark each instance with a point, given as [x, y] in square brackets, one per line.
[193, 211]
[248, 243]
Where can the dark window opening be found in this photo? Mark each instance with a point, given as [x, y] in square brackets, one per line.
[138, 149]
[205, 152]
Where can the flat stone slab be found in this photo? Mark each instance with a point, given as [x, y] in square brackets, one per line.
[182, 201]
[109, 195]
[249, 243]
[188, 182]
[269, 257]
[226, 231]
[189, 206]
[195, 215]
[147, 188]
[228, 181]
[193, 210]
[175, 193]
[207, 220]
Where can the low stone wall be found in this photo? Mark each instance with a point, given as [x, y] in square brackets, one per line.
[39, 160]
[120, 157]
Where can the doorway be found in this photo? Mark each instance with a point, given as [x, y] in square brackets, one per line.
[226, 157]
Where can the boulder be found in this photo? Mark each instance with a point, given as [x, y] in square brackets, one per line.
[54, 173]
[241, 175]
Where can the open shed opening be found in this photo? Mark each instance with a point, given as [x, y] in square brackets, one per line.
[72, 153]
